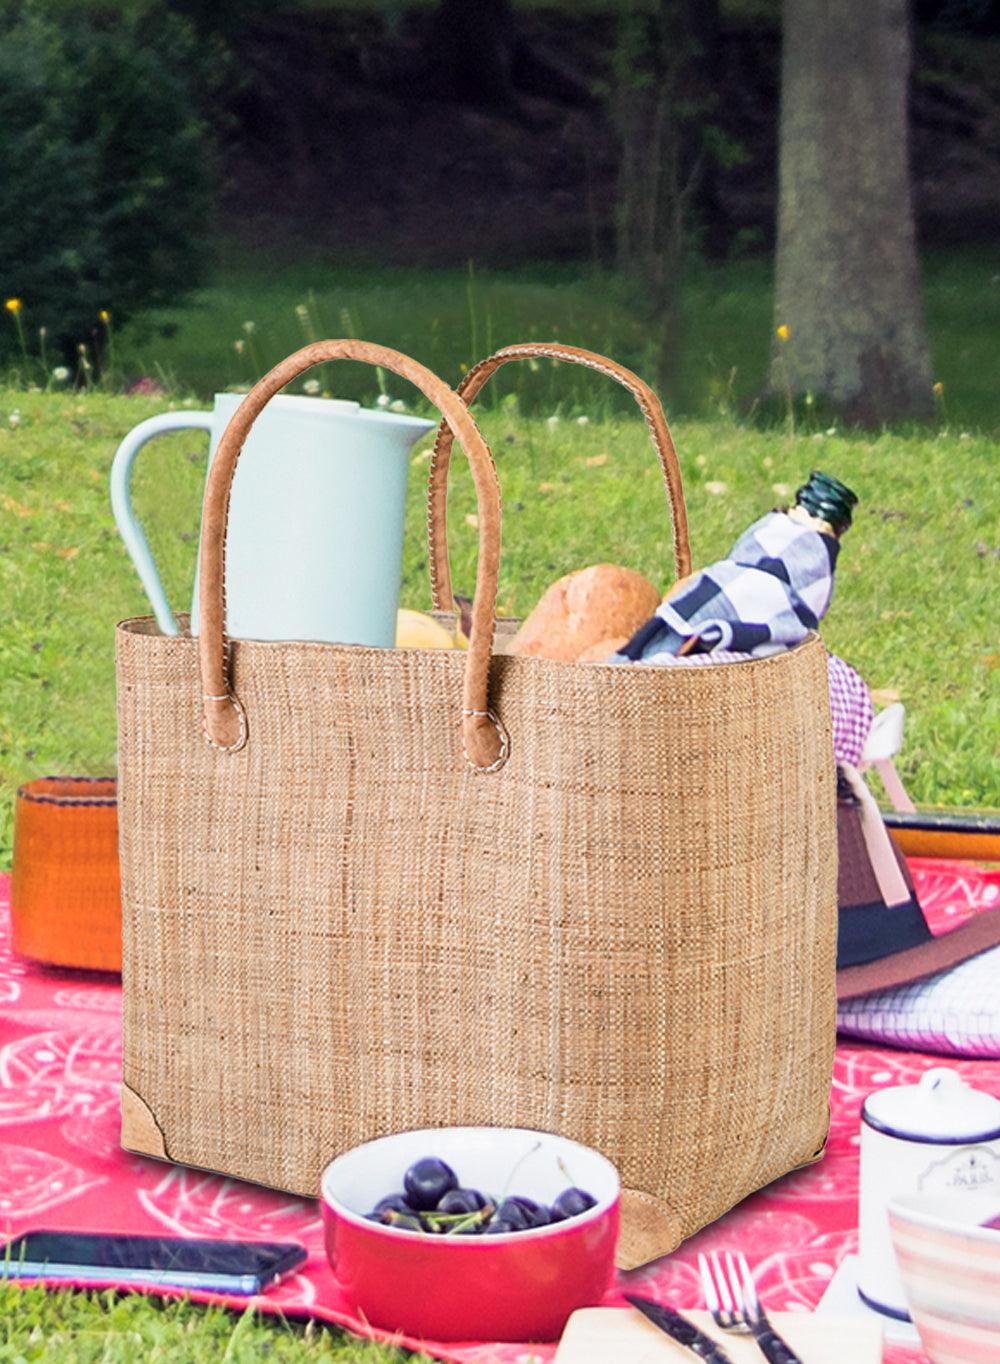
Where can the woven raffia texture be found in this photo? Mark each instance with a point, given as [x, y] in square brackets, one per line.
[625, 934]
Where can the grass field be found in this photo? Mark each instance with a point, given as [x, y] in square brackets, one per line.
[256, 313]
[45, 1327]
[914, 608]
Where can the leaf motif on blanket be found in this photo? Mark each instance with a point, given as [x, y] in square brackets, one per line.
[195, 1203]
[32, 1181]
[81, 1000]
[59, 1073]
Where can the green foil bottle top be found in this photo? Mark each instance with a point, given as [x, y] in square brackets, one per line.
[828, 500]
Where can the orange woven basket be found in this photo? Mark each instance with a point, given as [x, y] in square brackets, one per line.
[66, 887]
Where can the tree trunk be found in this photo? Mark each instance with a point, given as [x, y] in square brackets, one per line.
[663, 59]
[849, 321]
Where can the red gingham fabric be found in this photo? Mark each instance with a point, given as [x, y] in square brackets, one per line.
[852, 709]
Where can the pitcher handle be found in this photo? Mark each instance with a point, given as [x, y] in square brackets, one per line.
[129, 527]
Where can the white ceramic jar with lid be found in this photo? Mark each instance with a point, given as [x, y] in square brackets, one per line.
[933, 1137]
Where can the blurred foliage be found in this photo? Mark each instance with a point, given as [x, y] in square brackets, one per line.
[980, 17]
[103, 170]
[225, 16]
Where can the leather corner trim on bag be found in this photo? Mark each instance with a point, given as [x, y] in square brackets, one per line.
[649, 1229]
[140, 1130]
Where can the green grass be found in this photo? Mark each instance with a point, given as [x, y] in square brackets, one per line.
[449, 319]
[41, 1326]
[914, 607]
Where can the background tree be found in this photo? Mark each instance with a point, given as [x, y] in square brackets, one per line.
[103, 172]
[847, 288]
[662, 100]
[476, 54]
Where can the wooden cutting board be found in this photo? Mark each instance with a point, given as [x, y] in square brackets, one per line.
[600, 1335]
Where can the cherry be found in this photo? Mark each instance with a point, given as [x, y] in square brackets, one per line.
[427, 1181]
[461, 1200]
[570, 1203]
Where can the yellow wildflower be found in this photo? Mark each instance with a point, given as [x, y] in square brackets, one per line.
[939, 388]
[13, 305]
[105, 316]
[783, 333]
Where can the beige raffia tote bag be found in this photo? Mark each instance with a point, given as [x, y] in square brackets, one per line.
[367, 890]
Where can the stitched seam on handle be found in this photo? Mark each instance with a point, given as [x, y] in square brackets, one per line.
[226, 643]
[529, 349]
[225, 748]
[438, 539]
[558, 354]
[502, 758]
[431, 483]
[435, 454]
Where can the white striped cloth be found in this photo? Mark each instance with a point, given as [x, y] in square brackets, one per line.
[955, 1013]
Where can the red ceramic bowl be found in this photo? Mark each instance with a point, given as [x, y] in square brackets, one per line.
[514, 1286]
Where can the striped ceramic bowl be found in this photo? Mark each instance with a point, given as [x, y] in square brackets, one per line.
[949, 1261]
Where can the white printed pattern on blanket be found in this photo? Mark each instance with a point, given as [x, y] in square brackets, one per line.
[795, 1242]
[59, 1074]
[32, 1182]
[194, 1203]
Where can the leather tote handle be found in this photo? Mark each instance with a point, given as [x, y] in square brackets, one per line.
[437, 492]
[224, 721]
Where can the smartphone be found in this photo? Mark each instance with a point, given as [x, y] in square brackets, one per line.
[238, 1267]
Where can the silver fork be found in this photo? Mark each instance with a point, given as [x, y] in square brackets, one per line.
[732, 1300]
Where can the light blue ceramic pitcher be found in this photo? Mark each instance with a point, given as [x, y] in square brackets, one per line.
[315, 533]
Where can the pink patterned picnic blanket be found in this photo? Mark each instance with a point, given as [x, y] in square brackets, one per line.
[61, 1165]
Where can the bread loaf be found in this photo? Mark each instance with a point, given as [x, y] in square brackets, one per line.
[587, 615]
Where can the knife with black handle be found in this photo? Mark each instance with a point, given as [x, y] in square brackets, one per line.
[680, 1329]
[772, 1347]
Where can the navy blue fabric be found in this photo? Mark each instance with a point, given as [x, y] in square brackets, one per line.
[869, 932]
